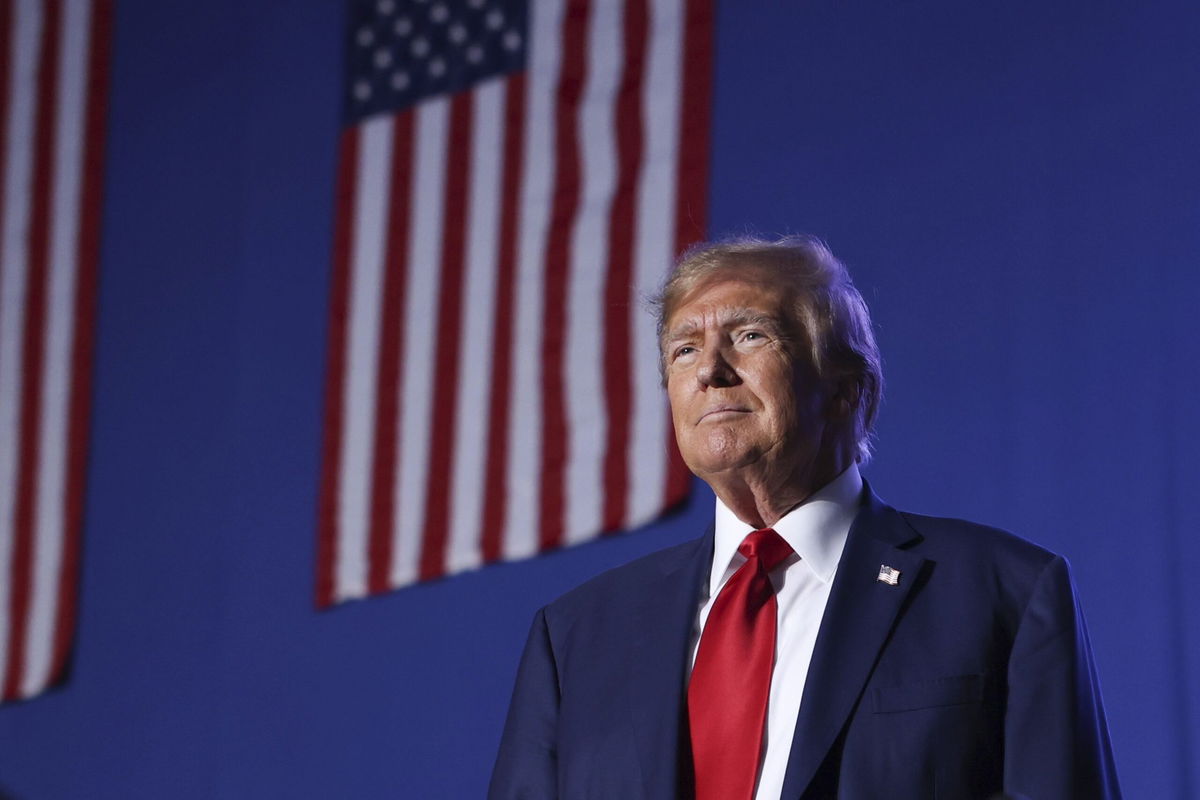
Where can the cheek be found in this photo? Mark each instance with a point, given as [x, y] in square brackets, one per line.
[678, 406]
[798, 409]
[786, 406]
[787, 419]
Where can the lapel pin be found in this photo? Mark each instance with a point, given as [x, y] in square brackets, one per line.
[888, 575]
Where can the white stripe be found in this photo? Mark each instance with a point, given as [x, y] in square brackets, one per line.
[654, 248]
[18, 160]
[587, 420]
[432, 130]
[362, 348]
[50, 527]
[525, 406]
[471, 417]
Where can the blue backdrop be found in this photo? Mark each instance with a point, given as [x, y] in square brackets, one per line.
[1014, 185]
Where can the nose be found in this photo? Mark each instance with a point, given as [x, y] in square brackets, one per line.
[715, 370]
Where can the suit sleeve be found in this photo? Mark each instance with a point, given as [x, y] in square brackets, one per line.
[526, 767]
[1056, 738]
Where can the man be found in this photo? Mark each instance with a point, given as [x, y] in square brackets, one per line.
[816, 643]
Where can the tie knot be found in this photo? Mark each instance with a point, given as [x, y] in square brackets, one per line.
[767, 546]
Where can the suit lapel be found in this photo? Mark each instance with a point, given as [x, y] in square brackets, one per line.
[661, 627]
[858, 620]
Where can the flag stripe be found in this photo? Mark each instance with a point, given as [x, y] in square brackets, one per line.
[367, 268]
[32, 356]
[449, 328]
[522, 522]
[431, 162]
[583, 381]
[655, 248]
[18, 158]
[54, 89]
[557, 269]
[391, 345]
[84, 313]
[693, 172]
[496, 485]
[8, 13]
[62, 272]
[691, 220]
[339, 301]
[474, 363]
[618, 291]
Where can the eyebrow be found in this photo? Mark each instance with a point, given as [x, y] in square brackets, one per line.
[735, 318]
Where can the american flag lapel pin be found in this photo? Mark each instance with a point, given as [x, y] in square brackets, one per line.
[888, 575]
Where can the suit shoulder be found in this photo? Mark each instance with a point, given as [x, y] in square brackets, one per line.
[627, 584]
[962, 539]
[984, 572]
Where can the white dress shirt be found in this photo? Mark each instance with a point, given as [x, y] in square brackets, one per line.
[816, 530]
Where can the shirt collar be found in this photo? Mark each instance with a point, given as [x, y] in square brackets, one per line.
[816, 529]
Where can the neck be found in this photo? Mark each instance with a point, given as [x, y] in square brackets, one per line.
[760, 502]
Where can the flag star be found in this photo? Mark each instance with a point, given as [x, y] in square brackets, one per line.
[512, 40]
[362, 91]
[475, 3]
[383, 58]
[474, 54]
[402, 26]
[494, 19]
[420, 47]
[458, 33]
[365, 37]
[437, 67]
[400, 80]
[439, 13]
[386, 7]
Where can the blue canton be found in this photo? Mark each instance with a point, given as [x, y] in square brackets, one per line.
[399, 52]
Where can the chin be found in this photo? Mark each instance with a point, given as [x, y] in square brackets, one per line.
[713, 463]
[717, 450]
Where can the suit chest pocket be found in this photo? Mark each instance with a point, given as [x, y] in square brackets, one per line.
[957, 690]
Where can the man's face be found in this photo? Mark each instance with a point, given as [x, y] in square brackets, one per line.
[741, 402]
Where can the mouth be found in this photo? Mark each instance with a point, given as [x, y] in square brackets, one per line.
[722, 413]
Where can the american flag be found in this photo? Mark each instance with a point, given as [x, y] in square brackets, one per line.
[53, 71]
[514, 178]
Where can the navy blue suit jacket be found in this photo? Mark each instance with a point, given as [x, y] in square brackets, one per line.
[970, 677]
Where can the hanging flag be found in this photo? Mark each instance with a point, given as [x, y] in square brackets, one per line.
[514, 179]
[53, 78]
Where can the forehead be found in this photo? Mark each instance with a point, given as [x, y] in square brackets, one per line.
[727, 298]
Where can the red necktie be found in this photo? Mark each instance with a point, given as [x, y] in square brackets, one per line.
[727, 695]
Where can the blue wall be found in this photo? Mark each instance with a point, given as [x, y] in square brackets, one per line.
[1015, 186]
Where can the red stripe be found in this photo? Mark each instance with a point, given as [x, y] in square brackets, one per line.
[99, 45]
[691, 209]
[618, 290]
[339, 302]
[496, 491]
[32, 353]
[391, 345]
[691, 203]
[445, 398]
[557, 268]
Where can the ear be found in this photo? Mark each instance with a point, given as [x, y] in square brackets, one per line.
[845, 399]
